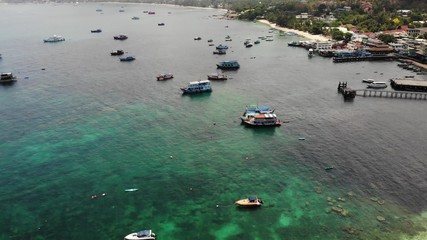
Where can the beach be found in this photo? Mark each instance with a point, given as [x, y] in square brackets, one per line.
[300, 33]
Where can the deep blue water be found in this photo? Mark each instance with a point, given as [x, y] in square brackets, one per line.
[88, 124]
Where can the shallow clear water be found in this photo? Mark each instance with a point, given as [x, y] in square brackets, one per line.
[89, 124]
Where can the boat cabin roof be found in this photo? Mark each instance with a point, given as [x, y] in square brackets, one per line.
[201, 82]
[143, 233]
[252, 199]
[265, 116]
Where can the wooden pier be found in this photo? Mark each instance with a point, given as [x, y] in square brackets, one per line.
[391, 94]
[349, 93]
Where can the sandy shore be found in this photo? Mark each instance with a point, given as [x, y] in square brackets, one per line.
[300, 33]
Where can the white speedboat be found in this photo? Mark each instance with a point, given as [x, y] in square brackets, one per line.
[250, 202]
[377, 85]
[141, 235]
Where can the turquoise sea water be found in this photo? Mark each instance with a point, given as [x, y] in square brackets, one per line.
[89, 124]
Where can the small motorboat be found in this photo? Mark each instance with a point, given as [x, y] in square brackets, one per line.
[117, 53]
[216, 76]
[141, 235]
[250, 202]
[377, 85]
[121, 37]
[197, 38]
[135, 18]
[127, 59]
[220, 52]
[161, 24]
[96, 30]
[368, 80]
[164, 76]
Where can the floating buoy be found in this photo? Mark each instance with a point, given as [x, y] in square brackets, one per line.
[170, 156]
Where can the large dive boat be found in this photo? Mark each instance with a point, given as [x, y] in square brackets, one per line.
[198, 87]
[141, 235]
[254, 110]
[7, 78]
[228, 65]
[263, 120]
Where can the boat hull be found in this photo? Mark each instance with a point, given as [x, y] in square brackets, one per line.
[185, 91]
[247, 203]
[248, 123]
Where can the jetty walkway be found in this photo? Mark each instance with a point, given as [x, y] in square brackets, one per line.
[391, 94]
[349, 93]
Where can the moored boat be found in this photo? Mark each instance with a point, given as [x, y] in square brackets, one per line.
[7, 78]
[228, 65]
[253, 110]
[310, 52]
[220, 46]
[197, 87]
[263, 120]
[96, 30]
[161, 24]
[217, 76]
[135, 18]
[127, 59]
[368, 80]
[250, 202]
[377, 85]
[294, 44]
[197, 38]
[220, 51]
[117, 53]
[54, 38]
[141, 235]
[164, 76]
[121, 37]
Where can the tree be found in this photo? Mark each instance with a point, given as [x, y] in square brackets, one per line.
[387, 38]
[337, 34]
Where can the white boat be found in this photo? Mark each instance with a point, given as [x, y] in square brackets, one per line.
[198, 87]
[54, 38]
[310, 52]
[250, 202]
[377, 85]
[368, 80]
[141, 235]
[7, 78]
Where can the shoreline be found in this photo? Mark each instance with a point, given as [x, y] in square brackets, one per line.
[307, 35]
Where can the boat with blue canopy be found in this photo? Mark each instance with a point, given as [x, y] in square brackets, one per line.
[253, 110]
